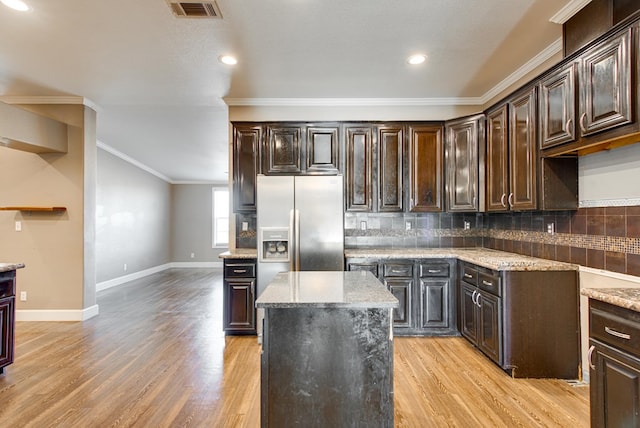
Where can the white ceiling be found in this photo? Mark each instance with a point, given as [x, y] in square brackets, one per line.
[158, 87]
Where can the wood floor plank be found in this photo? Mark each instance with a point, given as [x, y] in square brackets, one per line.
[156, 357]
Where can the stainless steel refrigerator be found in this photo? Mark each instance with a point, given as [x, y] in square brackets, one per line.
[300, 225]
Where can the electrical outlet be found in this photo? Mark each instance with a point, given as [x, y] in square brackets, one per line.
[18, 226]
[467, 225]
[125, 267]
[23, 296]
[363, 225]
[193, 255]
[245, 227]
[551, 228]
[407, 225]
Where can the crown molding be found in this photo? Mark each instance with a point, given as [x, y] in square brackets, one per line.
[526, 68]
[350, 102]
[67, 99]
[132, 161]
[571, 8]
[551, 50]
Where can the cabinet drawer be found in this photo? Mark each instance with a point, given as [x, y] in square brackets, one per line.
[615, 329]
[371, 267]
[244, 270]
[397, 269]
[433, 269]
[490, 283]
[7, 287]
[469, 275]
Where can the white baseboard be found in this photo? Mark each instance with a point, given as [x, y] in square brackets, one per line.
[146, 272]
[56, 314]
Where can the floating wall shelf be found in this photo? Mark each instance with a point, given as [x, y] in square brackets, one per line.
[34, 209]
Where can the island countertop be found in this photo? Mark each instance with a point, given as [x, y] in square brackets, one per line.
[326, 289]
[6, 267]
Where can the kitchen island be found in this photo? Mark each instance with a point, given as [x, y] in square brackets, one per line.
[7, 312]
[327, 350]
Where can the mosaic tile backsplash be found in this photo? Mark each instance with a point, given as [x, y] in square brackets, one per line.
[602, 238]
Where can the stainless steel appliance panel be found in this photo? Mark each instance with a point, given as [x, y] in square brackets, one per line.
[320, 225]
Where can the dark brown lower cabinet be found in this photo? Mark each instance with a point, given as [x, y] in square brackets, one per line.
[614, 362]
[424, 289]
[527, 322]
[239, 313]
[7, 317]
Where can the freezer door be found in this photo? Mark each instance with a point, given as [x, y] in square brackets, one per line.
[319, 201]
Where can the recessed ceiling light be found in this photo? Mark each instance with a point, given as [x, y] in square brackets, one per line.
[16, 4]
[416, 59]
[228, 59]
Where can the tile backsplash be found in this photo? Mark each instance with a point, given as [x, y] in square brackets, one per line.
[602, 238]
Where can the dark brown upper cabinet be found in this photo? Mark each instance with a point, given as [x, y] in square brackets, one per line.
[390, 144]
[425, 167]
[358, 169]
[496, 164]
[322, 149]
[283, 149]
[606, 85]
[247, 139]
[464, 155]
[523, 153]
[512, 155]
[558, 107]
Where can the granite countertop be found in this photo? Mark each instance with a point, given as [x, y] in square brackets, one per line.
[492, 259]
[326, 289]
[624, 297]
[5, 267]
[240, 253]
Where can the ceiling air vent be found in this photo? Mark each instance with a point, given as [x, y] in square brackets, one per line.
[207, 9]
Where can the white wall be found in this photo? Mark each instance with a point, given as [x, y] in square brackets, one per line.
[133, 217]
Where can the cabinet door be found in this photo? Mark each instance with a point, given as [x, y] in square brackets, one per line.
[497, 178]
[425, 168]
[490, 326]
[469, 312]
[557, 107]
[606, 85]
[283, 150]
[6, 330]
[246, 147]
[322, 149]
[463, 140]
[434, 303]
[239, 305]
[390, 143]
[359, 151]
[523, 152]
[401, 289]
[615, 388]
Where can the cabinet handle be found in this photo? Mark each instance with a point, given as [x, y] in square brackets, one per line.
[487, 283]
[473, 201]
[612, 332]
[239, 271]
[478, 300]
[434, 270]
[502, 200]
[568, 126]
[467, 275]
[589, 357]
[473, 297]
[582, 117]
[511, 199]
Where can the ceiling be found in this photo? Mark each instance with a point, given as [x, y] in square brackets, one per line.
[161, 94]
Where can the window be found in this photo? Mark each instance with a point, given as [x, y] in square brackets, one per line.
[220, 217]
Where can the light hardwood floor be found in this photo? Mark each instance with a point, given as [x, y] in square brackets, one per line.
[156, 357]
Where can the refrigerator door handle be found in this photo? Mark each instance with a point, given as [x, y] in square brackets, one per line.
[297, 240]
[292, 244]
